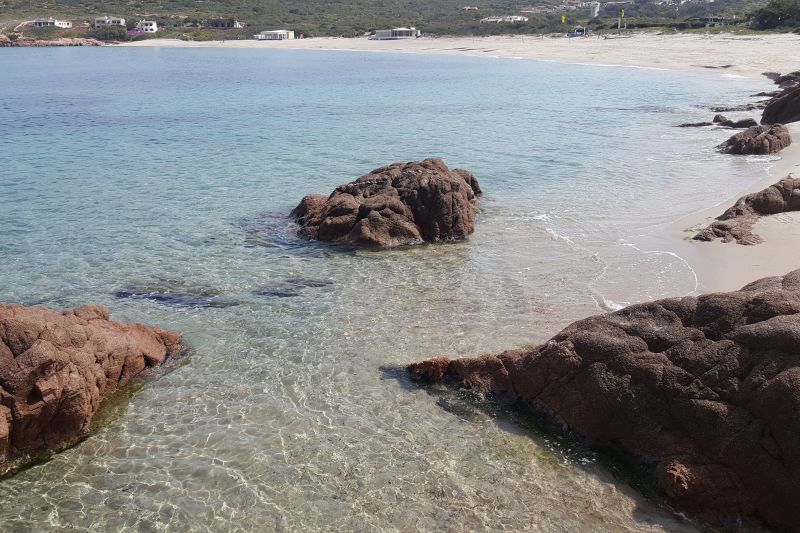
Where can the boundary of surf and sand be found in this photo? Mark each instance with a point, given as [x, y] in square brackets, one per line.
[717, 266]
[746, 55]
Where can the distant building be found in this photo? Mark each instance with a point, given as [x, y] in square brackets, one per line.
[102, 22]
[147, 26]
[223, 23]
[470, 8]
[51, 22]
[540, 10]
[396, 33]
[274, 35]
[507, 18]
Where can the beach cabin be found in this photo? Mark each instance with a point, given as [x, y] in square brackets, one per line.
[102, 22]
[52, 23]
[274, 35]
[147, 26]
[396, 33]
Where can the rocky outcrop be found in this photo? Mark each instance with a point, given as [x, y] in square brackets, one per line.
[722, 120]
[758, 140]
[784, 81]
[57, 368]
[736, 223]
[784, 108]
[707, 389]
[6, 41]
[403, 203]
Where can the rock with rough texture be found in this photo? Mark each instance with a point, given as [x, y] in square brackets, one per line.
[57, 368]
[722, 120]
[784, 108]
[16, 41]
[402, 203]
[758, 140]
[706, 388]
[736, 223]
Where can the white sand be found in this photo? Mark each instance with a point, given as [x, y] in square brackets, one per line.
[718, 266]
[749, 55]
[728, 266]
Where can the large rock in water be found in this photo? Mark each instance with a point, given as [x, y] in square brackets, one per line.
[708, 388]
[57, 368]
[736, 223]
[784, 108]
[402, 203]
[758, 140]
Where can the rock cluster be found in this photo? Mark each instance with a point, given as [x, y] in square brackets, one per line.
[722, 120]
[402, 203]
[707, 388]
[736, 223]
[784, 107]
[758, 140]
[57, 368]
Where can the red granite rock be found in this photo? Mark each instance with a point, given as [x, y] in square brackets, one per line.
[57, 368]
[707, 388]
[403, 203]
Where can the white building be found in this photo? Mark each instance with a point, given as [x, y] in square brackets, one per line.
[508, 18]
[396, 33]
[51, 22]
[147, 26]
[274, 35]
[102, 22]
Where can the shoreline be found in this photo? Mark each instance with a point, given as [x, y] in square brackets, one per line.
[717, 266]
[754, 54]
[722, 267]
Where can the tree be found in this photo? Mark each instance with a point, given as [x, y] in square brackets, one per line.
[777, 14]
[110, 33]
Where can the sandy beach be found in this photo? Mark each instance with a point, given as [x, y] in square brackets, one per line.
[744, 55]
[718, 266]
[727, 266]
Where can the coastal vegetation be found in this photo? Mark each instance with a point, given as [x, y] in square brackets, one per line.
[187, 19]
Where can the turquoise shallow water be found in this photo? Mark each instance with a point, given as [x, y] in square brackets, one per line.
[133, 169]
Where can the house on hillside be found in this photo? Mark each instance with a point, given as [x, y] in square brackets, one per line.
[52, 23]
[507, 18]
[103, 22]
[223, 24]
[147, 26]
[396, 33]
[274, 35]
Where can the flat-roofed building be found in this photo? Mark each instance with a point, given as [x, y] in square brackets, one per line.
[52, 23]
[274, 35]
[102, 22]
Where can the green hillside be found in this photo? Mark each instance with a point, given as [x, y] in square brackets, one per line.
[184, 18]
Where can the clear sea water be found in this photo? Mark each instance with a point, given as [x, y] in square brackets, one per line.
[139, 169]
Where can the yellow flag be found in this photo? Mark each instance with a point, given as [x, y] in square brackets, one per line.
[623, 13]
[563, 19]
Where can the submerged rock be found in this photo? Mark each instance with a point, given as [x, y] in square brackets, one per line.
[758, 140]
[736, 223]
[707, 388]
[695, 124]
[722, 120]
[402, 203]
[57, 368]
[176, 293]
